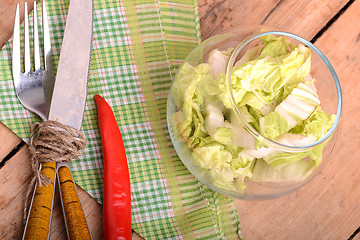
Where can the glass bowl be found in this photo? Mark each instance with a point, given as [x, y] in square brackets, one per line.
[254, 112]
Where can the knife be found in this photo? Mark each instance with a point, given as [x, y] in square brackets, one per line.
[67, 107]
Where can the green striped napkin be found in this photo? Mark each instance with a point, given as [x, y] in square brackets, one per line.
[137, 48]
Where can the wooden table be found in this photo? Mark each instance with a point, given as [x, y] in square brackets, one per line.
[327, 208]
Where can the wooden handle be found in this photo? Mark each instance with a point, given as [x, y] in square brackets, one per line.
[38, 224]
[74, 216]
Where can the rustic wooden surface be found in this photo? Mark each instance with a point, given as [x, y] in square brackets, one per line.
[327, 208]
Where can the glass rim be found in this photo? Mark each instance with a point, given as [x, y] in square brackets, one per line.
[252, 130]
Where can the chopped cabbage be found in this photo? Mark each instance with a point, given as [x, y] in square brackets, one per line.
[274, 92]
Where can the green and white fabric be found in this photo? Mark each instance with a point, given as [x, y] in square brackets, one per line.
[137, 49]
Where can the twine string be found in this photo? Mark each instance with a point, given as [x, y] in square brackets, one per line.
[52, 141]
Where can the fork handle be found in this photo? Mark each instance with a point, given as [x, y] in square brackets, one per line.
[38, 222]
[74, 216]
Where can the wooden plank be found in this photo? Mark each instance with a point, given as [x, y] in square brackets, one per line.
[12, 194]
[15, 177]
[218, 15]
[7, 141]
[328, 207]
[7, 17]
[356, 235]
[305, 18]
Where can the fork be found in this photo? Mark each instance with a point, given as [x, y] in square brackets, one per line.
[34, 87]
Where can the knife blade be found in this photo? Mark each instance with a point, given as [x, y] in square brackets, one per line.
[70, 89]
[68, 102]
[67, 107]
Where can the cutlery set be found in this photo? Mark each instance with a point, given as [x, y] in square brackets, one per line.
[60, 102]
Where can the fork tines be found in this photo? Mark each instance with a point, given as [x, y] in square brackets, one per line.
[16, 56]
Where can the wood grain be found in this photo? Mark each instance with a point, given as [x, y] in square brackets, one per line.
[7, 137]
[305, 18]
[7, 13]
[327, 208]
[15, 177]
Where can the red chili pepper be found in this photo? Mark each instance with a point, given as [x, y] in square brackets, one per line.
[117, 198]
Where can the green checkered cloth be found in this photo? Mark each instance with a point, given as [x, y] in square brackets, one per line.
[137, 49]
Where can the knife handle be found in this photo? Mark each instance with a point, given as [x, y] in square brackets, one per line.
[39, 218]
[74, 216]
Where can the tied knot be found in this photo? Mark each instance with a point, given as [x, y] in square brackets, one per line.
[51, 141]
